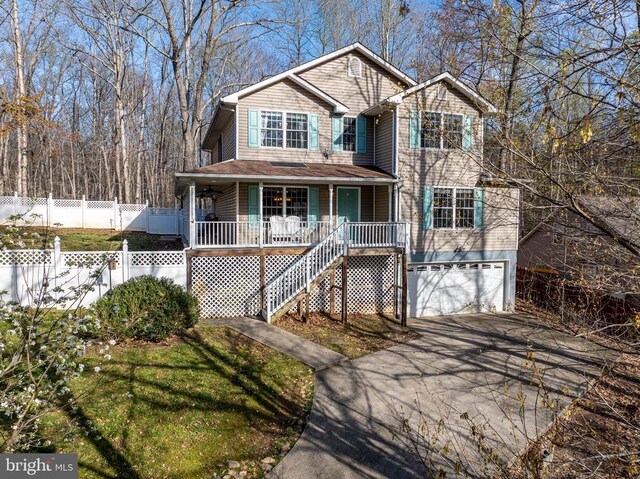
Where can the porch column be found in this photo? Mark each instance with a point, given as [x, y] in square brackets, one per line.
[330, 207]
[395, 202]
[260, 225]
[390, 214]
[193, 240]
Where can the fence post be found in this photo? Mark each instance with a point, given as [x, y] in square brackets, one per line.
[15, 204]
[308, 273]
[57, 263]
[125, 260]
[115, 213]
[50, 207]
[146, 215]
[83, 210]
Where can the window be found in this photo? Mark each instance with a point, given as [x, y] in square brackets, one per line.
[348, 134]
[271, 128]
[354, 68]
[452, 132]
[430, 137]
[284, 201]
[453, 208]
[441, 130]
[297, 130]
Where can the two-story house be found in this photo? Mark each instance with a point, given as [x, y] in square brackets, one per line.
[345, 167]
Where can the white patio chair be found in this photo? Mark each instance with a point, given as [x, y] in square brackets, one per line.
[293, 227]
[278, 229]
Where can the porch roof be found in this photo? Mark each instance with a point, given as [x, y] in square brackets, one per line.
[274, 171]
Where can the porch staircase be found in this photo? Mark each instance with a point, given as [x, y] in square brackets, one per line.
[284, 291]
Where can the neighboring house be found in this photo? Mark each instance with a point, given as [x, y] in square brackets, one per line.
[567, 245]
[345, 166]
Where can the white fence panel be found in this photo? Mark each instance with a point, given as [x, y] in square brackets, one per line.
[133, 217]
[68, 213]
[163, 221]
[100, 215]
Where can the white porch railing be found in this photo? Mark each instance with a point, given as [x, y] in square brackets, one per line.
[229, 234]
[303, 272]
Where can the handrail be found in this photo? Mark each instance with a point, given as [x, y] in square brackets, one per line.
[299, 276]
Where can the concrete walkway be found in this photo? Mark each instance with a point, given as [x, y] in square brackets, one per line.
[313, 355]
[378, 416]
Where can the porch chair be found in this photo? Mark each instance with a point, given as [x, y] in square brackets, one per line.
[277, 229]
[294, 227]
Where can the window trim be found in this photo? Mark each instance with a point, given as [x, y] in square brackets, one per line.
[442, 115]
[284, 198]
[454, 208]
[284, 129]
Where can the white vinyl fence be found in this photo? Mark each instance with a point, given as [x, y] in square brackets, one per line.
[24, 274]
[93, 214]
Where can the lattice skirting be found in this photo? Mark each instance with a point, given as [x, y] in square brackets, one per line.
[229, 286]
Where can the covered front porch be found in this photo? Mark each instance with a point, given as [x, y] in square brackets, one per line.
[256, 204]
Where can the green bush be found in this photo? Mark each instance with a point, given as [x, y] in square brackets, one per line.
[145, 308]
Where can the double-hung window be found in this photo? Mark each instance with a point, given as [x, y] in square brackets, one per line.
[453, 208]
[278, 129]
[285, 201]
[349, 134]
[441, 130]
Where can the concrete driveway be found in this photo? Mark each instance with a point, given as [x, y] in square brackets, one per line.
[469, 381]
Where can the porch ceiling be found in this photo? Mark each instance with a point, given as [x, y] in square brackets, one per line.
[311, 173]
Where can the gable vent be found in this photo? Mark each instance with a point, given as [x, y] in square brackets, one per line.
[354, 68]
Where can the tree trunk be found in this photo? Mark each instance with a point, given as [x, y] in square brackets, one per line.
[21, 93]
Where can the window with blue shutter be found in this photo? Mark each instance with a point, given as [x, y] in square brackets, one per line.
[467, 138]
[336, 133]
[254, 207]
[427, 207]
[361, 132]
[254, 128]
[414, 129]
[479, 208]
[314, 207]
[314, 140]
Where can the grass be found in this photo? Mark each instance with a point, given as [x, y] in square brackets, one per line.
[361, 335]
[78, 239]
[184, 408]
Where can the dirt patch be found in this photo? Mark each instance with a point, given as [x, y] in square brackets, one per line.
[360, 335]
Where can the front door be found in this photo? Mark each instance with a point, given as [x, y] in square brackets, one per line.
[348, 205]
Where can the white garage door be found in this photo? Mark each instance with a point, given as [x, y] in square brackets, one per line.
[455, 288]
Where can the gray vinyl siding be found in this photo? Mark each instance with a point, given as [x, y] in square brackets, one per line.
[229, 140]
[384, 141]
[382, 198]
[375, 84]
[226, 204]
[430, 167]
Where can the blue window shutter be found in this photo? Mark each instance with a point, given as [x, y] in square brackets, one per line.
[479, 209]
[314, 207]
[427, 208]
[314, 141]
[414, 129]
[336, 133]
[254, 128]
[467, 138]
[254, 206]
[361, 134]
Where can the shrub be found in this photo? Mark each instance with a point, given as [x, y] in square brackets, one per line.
[145, 308]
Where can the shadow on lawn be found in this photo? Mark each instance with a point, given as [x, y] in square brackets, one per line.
[240, 365]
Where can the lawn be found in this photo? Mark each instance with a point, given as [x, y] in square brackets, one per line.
[184, 408]
[361, 335]
[78, 239]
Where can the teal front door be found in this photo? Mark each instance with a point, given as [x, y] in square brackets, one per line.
[348, 205]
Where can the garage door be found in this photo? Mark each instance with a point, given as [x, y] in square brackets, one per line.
[448, 288]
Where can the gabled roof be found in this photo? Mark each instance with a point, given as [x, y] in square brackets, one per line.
[453, 81]
[358, 47]
[337, 106]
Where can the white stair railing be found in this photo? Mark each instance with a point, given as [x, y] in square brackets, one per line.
[300, 274]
